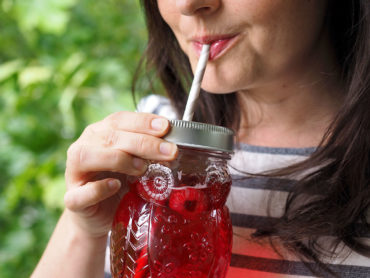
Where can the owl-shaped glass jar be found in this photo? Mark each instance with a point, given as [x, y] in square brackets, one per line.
[173, 222]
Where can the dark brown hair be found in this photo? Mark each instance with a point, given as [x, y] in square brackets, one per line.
[339, 189]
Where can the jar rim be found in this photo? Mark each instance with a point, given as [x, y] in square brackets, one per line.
[201, 136]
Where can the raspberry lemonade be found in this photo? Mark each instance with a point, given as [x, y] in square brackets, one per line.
[173, 222]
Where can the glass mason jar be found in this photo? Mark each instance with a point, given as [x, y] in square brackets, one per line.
[173, 222]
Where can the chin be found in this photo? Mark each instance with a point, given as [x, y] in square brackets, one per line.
[217, 89]
[221, 82]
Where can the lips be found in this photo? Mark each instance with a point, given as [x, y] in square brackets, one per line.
[219, 44]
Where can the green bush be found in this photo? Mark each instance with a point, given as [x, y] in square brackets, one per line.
[63, 64]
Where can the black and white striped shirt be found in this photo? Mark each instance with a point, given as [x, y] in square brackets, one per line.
[248, 203]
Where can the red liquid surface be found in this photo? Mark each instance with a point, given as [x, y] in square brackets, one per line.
[176, 233]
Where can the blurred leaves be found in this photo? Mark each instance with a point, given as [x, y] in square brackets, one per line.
[50, 16]
[63, 65]
[9, 68]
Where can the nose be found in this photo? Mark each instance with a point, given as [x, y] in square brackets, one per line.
[192, 7]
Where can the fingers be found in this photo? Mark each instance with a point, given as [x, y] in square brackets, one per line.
[125, 154]
[90, 194]
[86, 158]
[134, 133]
[140, 145]
[119, 144]
[132, 122]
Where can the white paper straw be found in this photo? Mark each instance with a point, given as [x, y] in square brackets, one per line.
[195, 86]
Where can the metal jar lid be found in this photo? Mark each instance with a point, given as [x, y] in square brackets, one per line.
[201, 136]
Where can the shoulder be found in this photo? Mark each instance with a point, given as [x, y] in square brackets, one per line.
[156, 104]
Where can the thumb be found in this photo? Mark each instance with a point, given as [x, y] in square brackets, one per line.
[79, 198]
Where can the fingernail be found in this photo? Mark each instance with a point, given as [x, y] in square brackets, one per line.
[167, 148]
[114, 184]
[159, 124]
[138, 163]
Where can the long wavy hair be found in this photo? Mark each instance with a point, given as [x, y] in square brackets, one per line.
[339, 189]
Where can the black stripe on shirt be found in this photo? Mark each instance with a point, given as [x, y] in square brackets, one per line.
[296, 268]
[262, 222]
[264, 183]
[252, 221]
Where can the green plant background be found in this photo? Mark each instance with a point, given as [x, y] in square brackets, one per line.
[63, 64]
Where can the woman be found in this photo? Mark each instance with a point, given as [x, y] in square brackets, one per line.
[292, 78]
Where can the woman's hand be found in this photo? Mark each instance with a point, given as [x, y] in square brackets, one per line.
[97, 164]
[99, 160]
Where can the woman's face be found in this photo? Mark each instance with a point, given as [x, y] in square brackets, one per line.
[253, 42]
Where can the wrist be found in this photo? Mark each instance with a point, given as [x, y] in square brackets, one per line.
[71, 252]
[78, 237]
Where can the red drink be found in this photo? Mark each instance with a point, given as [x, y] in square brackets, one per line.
[173, 223]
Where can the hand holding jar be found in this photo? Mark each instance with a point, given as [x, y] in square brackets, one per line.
[100, 159]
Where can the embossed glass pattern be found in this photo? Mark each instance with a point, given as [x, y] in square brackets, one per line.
[173, 222]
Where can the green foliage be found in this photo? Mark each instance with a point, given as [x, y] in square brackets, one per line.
[63, 64]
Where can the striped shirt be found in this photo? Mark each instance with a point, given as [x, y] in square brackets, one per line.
[249, 202]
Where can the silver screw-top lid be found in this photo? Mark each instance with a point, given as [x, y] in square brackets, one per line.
[201, 136]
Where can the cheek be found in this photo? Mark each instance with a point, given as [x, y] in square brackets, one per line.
[287, 32]
[168, 12]
[171, 15]
[282, 21]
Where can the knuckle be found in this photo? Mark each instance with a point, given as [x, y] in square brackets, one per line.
[141, 143]
[115, 117]
[77, 154]
[91, 129]
[69, 201]
[111, 116]
[110, 138]
[72, 150]
[82, 154]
